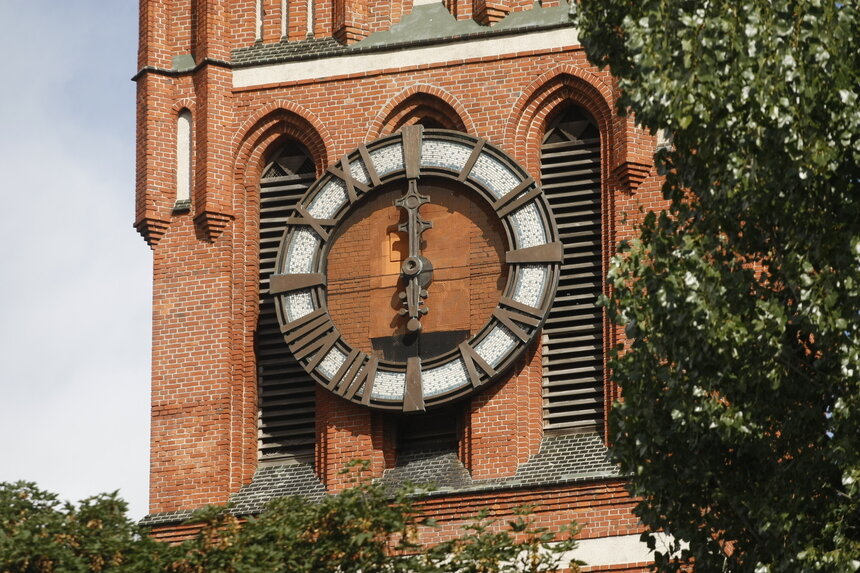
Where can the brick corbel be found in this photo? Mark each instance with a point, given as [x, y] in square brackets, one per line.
[213, 221]
[634, 150]
[630, 174]
[488, 12]
[350, 21]
[151, 227]
[347, 34]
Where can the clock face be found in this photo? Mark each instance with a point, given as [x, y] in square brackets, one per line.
[416, 270]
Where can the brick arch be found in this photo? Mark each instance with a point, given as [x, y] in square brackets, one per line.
[185, 103]
[416, 102]
[547, 96]
[254, 140]
[278, 120]
[542, 102]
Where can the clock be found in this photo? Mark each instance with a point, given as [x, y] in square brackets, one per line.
[460, 229]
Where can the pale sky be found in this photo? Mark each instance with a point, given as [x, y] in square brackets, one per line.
[75, 293]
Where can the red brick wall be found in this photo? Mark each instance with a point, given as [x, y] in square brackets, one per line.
[205, 262]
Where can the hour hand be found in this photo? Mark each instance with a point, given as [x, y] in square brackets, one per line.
[414, 225]
[416, 269]
[419, 225]
[417, 272]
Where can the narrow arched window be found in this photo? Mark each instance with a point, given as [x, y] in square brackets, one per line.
[287, 393]
[258, 21]
[573, 335]
[183, 160]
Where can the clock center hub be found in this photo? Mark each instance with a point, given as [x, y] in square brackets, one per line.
[412, 266]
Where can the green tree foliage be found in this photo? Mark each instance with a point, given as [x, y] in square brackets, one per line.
[361, 530]
[740, 424]
[40, 534]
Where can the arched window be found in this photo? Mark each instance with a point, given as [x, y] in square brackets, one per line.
[183, 161]
[573, 335]
[286, 392]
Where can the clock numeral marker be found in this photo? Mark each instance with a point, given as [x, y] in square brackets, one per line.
[345, 174]
[473, 158]
[514, 312]
[297, 326]
[305, 218]
[346, 372]
[548, 253]
[366, 378]
[351, 381]
[532, 312]
[320, 348]
[413, 392]
[368, 164]
[412, 135]
[510, 202]
[291, 282]
[313, 333]
[470, 359]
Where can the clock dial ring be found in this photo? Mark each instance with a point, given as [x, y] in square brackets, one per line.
[533, 256]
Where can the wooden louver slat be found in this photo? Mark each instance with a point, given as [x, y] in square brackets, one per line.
[286, 392]
[573, 334]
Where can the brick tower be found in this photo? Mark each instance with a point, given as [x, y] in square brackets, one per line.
[379, 232]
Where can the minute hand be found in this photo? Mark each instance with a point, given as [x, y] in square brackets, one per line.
[416, 269]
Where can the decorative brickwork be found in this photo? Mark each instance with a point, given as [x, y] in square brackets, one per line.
[630, 173]
[425, 104]
[152, 228]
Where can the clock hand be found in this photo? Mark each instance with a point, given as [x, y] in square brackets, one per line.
[416, 269]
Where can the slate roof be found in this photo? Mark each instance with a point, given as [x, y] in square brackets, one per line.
[561, 459]
[425, 25]
[167, 517]
[271, 482]
[574, 457]
[440, 469]
[287, 51]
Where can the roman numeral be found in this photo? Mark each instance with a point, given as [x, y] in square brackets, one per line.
[345, 174]
[305, 218]
[347, 381]
[510, 312]
[548, 253]
[313, 334]
[473, 158]
[413, 392]
[298, 281]
[471, 358]
[366, 378]
[510, 202]
[412, 150]
[347, 371]
[368, 164]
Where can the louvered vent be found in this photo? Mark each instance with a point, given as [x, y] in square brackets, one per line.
[573, 335]
[286, 424]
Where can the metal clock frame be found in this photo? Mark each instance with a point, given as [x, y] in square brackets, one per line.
[310, 333]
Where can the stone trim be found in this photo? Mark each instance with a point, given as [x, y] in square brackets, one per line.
[358, 61]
